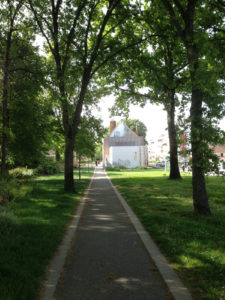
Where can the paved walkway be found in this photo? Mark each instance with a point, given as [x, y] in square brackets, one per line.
[108, 260]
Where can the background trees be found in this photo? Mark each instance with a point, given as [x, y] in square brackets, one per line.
[135, 124]
[194, 23]
[25, 111]
[95, 47]
[9, 14]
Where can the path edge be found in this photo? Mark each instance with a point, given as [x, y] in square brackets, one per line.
[59, 259]
[173, 282]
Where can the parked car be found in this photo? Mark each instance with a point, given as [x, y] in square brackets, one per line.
[160, 164]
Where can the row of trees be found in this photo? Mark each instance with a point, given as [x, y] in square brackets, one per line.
[183, 54]
[94, 47]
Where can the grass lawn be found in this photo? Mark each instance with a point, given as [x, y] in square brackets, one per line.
[31, 228]
[195, 246]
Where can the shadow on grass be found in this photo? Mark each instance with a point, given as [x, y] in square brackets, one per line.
[30, 231]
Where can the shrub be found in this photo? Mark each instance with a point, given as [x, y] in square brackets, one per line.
[11, 188]
[7, 221]
[141, 168]
[7, 189]
[21, 173]
[112, 168]
[49, 166]
[122, 167]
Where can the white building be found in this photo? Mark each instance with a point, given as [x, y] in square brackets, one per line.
[123, 147]
[219, 150]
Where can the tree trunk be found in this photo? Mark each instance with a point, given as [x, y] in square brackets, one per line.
[5, 114]
[170, 108]
[79, 168]
[200, 197]
[68, 171]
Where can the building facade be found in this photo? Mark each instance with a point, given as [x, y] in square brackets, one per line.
[123, 147]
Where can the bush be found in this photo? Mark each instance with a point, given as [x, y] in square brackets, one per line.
[48, 166]
[7, 188]
[11, 188]
[141, 168]
[112, 169]
[122, 167]
[21, 173]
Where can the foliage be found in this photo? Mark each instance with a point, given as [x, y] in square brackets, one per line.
[81, 37]
[29, 109]
[140, 168]
[122, 167]
[193, 244]
[142, 129]
[89, 136]
[98, 152]
[49, 166]
[21, 173]
[116, 169]
[13, 189]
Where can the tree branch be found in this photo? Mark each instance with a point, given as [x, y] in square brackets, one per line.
[40, 25]
[172, 14]
[115, 54]
[180, 8]
[71, 33]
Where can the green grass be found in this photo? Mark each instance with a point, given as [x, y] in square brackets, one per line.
[194, 245]
[30, 231]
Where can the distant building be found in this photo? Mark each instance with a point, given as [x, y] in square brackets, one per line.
[158, 149]
[219, 150]
[123, 147]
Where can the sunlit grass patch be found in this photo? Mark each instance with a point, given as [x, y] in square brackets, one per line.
[195, 245]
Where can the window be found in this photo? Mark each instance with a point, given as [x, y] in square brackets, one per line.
[116, 134]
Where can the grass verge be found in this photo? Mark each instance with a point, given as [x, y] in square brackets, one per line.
[194, 245]
[31, 228]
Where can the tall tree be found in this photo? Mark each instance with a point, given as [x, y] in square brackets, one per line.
[82, 36]
[9, 12]
[159, 72]
[192, 21]
[29, 107]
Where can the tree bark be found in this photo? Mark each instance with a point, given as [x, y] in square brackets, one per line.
[79, 167]
[185, 30]
[200, 196]
[68, 170]
[5, 113]
[174, 166]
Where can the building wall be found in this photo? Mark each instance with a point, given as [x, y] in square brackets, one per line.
[118, 142]
[128, 156]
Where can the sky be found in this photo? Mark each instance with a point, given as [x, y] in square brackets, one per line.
[153, 116]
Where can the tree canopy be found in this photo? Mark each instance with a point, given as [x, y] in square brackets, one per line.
[93, 48]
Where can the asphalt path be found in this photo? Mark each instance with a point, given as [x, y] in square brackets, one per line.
[107, 260]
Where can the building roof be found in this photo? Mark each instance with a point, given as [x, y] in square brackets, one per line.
[122, 130]
[219, 149]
